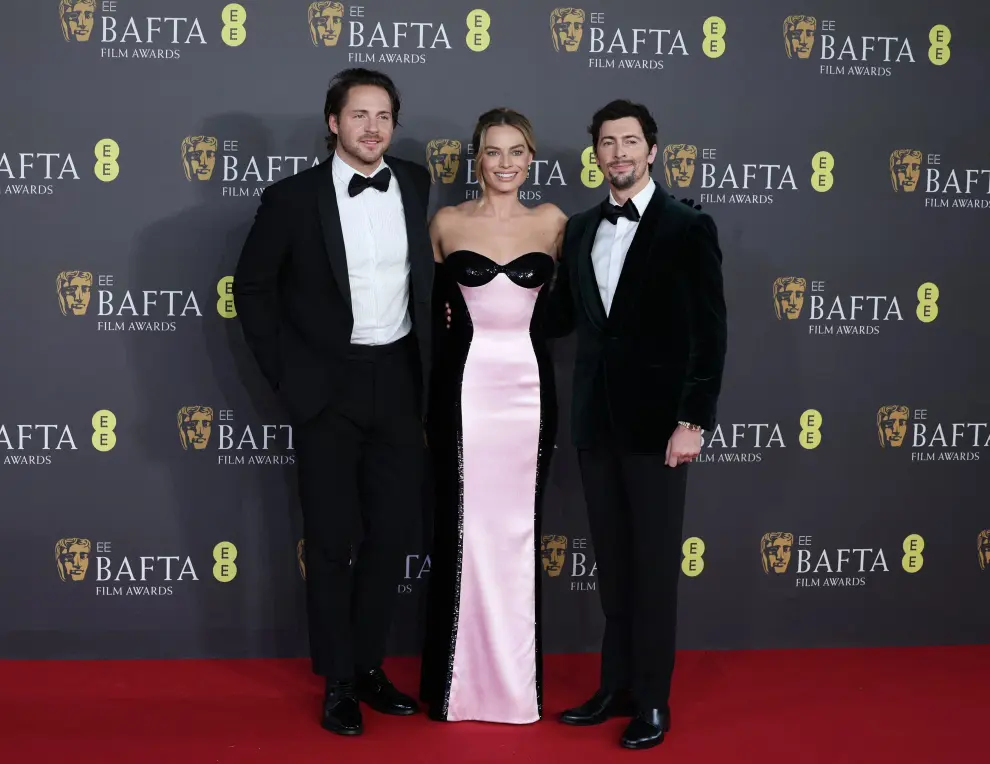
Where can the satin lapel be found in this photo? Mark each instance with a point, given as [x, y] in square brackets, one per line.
[587, 282]
[639, 258]
[417, 234]
[333, 235]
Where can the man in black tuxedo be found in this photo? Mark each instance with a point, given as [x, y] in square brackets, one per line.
[333, 290]
[640, 281]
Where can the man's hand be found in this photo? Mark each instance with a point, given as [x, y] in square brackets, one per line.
[688, 202]
[684, 446]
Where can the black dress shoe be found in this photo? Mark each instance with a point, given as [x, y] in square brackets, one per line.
[341, 712]
[377, 691]
[646, 729]
[602, 707]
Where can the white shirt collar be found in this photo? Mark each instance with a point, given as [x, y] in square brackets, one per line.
[641, 199]
[345, 172]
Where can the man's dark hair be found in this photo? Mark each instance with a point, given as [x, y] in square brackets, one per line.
[619, 109]
[341, 85]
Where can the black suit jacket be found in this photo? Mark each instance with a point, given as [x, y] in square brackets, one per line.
[291, 288]
[657, 358]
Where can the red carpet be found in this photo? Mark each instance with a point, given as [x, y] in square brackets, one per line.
[924, 706]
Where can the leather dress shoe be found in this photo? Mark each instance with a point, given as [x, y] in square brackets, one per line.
[602, 706]
[377, 691]
[646, 729]
[341, 712]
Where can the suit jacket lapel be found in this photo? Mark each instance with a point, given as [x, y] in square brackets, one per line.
[639, 258]
[591, 297]
[333, 235]
[417, 234]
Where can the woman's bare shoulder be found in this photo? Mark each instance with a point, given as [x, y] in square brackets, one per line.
[451, 215]
[548, 224]
[551, 211]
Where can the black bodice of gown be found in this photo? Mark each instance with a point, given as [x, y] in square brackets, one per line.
[473, 269]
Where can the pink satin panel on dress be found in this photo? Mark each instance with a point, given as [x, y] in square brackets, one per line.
[494, 675]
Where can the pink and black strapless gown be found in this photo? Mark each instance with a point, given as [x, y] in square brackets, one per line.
[491, 427]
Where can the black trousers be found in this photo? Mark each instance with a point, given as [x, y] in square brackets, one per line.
[361, 467]
[636, 513]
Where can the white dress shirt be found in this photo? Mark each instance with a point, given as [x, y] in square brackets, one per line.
[374, 228]
[612, 243]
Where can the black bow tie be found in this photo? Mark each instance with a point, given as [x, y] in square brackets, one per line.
[612, 213]
[379, 181]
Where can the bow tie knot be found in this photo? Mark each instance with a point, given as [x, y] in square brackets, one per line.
[360, 182]
[612, 212]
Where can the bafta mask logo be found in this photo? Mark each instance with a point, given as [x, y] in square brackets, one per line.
[326, 19]
[788, 297]
[195, 426]
[553, 551]
[983, 547]
[892, 425]
[199, 156]
[905, 170]
[74, 291]
[799, 36]
[77, 18]
[567, 28]
[72, 558]
[301, 557]
[443, 157]
[775, 550]
[679, 160]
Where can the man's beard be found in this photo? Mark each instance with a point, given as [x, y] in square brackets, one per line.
[356, 149]
[622, 182]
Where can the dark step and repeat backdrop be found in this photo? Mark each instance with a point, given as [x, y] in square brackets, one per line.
[148, 494]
